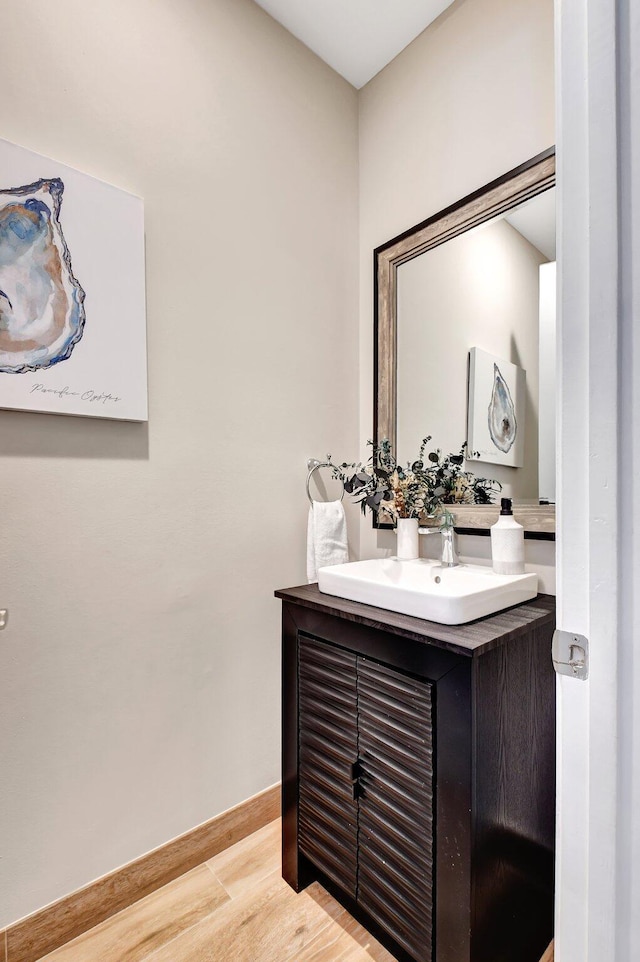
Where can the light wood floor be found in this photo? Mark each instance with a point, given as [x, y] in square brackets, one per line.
[234, 908]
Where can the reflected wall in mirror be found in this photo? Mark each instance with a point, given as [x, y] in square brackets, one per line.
[479, 275]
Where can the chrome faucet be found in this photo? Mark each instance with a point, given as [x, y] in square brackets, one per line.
[449, 556]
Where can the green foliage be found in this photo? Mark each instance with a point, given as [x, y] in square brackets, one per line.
[420, 489]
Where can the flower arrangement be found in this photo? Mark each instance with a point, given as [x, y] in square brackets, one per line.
[422, 488]
[452, 485]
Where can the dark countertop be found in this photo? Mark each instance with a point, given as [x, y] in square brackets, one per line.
[471, 639]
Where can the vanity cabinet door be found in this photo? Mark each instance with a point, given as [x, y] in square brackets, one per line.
[396, 805]
[328, 751]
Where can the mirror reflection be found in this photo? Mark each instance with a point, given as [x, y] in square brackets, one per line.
[476, 349]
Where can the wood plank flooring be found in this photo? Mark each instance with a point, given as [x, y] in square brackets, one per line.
[56, 924]
[548, 955]
[234, 907]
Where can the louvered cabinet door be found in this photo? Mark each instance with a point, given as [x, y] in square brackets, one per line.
[395, 868]
[328, 750]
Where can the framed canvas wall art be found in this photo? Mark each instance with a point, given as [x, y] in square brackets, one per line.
[72, 291]
[496, 408]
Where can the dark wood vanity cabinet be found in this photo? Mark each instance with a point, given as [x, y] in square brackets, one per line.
[419, 774]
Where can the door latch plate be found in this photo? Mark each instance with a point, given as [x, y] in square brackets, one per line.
[570, 653]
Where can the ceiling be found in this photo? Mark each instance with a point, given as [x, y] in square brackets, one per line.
[355, 37]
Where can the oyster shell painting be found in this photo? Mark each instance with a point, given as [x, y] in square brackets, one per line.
[503, 426]
[42, 315]
[496, 409]
[72, 291]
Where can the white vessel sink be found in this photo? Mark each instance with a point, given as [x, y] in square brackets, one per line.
[424, 589]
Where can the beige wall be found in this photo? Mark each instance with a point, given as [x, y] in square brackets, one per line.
[482, 290]
[139, 674]
[469, 99]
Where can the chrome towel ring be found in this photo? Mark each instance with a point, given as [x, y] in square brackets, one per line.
[314, 465]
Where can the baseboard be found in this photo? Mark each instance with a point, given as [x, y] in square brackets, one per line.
[66, 919]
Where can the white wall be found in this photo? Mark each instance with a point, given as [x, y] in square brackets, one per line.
[139, 674]
[547, 403]
[480, 289]
[471, 98]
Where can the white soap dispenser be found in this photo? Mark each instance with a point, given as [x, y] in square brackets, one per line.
[507, 542]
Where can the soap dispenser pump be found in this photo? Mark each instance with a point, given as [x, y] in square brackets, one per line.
[507, 542]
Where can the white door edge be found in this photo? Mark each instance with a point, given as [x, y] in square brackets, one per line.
[598, 95]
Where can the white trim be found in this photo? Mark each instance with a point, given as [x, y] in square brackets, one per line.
[597, 491]
[628, 847]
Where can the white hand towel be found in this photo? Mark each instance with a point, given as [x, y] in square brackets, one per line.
[326, 537]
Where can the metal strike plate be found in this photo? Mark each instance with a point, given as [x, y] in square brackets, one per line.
[570, 653]
[4, 617]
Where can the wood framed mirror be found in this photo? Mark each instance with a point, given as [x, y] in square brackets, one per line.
[470, 277]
